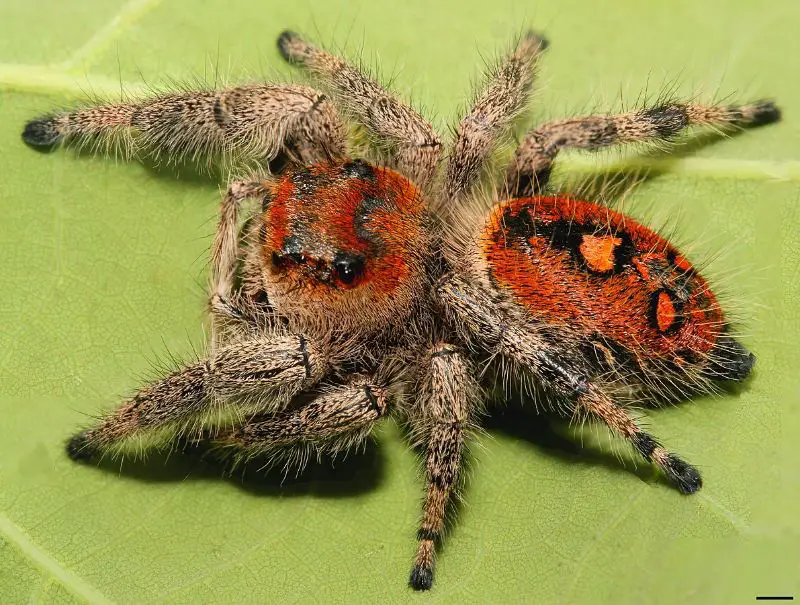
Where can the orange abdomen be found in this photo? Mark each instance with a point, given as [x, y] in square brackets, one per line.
[580, 264]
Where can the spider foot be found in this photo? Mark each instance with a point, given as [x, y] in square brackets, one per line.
[78, 447]
[421, 577]
[543, 42]
[291, 46]
[41, 133]
[682, 474]
[764, 112]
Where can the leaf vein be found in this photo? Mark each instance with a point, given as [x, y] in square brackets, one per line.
[100, 41]
[73, 583]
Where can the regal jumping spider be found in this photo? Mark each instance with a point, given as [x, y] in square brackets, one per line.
[353, 277]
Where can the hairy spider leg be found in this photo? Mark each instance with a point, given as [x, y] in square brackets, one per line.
[414, 145]
[446, 399]
[335, 420]
[249, 124]
[530, 169]
[269, 370]
[504, 96]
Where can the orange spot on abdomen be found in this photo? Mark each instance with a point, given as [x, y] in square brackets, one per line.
[665, 312]
[598, 252]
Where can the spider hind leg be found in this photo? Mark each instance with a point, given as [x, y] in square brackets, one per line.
[681, 474]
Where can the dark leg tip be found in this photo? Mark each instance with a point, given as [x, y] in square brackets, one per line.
[285, 41]
[421, 578]
[544, 43]
[79, 448]
[685, 477]
[765, 112]
[41, 134]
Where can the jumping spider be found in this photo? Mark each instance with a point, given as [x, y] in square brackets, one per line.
[363, 287]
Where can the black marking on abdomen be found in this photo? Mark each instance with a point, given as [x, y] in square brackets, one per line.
[623, 252]
[358, 169]
[568, 236]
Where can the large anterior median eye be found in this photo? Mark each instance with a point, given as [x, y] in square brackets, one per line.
[348, 267]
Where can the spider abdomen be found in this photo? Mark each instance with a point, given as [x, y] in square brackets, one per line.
[579, 264]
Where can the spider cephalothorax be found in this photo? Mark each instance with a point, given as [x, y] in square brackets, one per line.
[346, 241]
[355, 287]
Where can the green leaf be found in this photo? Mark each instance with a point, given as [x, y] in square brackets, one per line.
[104, 266]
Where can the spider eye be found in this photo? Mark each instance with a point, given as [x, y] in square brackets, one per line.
[348, 267]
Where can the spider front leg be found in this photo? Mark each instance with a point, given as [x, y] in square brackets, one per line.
[447, 392]
[248, 123]
[505, 95]
[530, 169]
[415, 145]
[263, 372]
[335, 420]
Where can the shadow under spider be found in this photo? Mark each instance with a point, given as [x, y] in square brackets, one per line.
[607, 185]
[200, 173]
[184, 170]
[363, 471]
[544, 431]
[357, 473]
